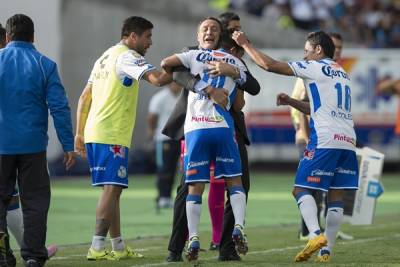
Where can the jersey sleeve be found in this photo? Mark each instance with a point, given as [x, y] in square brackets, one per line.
[186, 58]
[133, 65]
[305, 69]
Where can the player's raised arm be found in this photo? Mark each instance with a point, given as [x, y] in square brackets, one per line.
[261, 59]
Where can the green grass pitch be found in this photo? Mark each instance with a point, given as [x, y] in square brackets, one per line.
[272, 222]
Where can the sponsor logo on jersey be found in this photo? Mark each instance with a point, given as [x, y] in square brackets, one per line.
[118, 151]
[225, 160]
[344, 138]
[319, 172]
[122, 172]
[213, 119]
[197, 164]
[98, 169]
[140, 62]
[191, 172]
[334, 70]
[308, 154]
[344, 171]
[313, 179]
[207, 56]
[218, 54]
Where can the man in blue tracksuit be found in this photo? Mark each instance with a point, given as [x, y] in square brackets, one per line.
[29, 87]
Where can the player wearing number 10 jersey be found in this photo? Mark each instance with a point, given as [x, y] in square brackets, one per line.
[329, 161]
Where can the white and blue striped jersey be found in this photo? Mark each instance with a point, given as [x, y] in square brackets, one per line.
[328, 88]
[202, 112]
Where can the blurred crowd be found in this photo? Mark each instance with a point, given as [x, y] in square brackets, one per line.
[370, 23]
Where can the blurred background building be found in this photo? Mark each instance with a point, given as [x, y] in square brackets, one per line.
[75, 32]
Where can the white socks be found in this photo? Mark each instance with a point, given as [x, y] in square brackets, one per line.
[309, 212]
[334, 219]
[117, 243]
[98, 242]
[238, 203]
[193, 212]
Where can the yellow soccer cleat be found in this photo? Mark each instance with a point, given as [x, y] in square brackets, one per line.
[98, 255]
[323, 256]
[312, 246]
[127, 253]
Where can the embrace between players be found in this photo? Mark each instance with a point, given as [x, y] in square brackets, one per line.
[107, 108]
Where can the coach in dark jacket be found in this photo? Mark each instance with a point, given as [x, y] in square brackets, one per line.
[174, 129]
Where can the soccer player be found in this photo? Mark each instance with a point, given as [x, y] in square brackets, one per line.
[329, 162]
[300, 122]
[105, 121]
[174, 129]
[209, 136]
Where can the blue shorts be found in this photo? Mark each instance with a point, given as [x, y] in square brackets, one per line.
[216, 145]
[326, 169]
[108, 164]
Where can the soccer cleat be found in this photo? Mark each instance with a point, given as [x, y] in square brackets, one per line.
[240, 240]
[127, 253]
[323, 256]
[229, 257]
[98, 255]
[312, 246]
[192, 252]
[51, 251]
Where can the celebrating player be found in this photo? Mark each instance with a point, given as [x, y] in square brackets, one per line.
[209, 137]
[329, 161]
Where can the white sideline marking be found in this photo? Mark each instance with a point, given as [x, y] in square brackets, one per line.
[280, 250]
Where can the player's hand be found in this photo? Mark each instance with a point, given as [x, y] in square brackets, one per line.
[282, 99]
[240, 38]
[69, 159]
[80, 146]
[217, 68]
[218, 95]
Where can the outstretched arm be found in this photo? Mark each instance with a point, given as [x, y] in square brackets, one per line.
[261, 59]
[158, 78]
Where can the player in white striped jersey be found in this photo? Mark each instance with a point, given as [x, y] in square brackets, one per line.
[329, 161]
[209, 137]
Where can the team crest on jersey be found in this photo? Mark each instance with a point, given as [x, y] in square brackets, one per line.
[118, 151]
[122, 172]
[309, 154]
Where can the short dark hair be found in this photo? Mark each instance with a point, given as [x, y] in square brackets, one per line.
[2, 36]
[20, 28]
[336, 35]
[227, 42]
[135, 24]
[226, 17]
[211, 18]
[324, 40]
